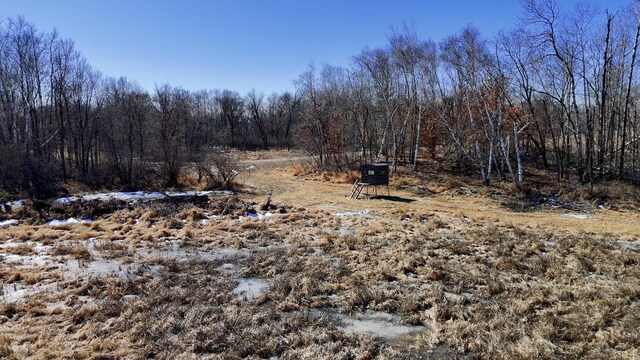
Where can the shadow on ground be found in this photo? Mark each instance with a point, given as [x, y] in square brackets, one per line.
[392, 198]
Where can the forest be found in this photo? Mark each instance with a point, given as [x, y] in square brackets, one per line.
[556, 91]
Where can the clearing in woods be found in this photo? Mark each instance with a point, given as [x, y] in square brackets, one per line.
[434, 271]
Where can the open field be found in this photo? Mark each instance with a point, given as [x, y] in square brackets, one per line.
[442, 269]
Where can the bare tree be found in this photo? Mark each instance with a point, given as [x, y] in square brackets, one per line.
[128, 151]
[172, 107]
[257, 115]
[627, 98]
[231, 108]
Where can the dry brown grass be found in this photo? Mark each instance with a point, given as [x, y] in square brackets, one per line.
[22, 250]
[189, 180]
[618, 194]
[76, 251]
[308, 172]
[192, 214]
[510, 273]
[486, 282]
[27, 275]
[5, 348]
[268, 154]
[299, 169]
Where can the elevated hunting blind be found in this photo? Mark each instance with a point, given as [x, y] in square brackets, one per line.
[371, 175]
[375, 174]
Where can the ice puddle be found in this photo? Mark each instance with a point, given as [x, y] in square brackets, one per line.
[249, 289]
[380, 324]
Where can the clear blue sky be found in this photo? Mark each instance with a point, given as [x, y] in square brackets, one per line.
[240, 45]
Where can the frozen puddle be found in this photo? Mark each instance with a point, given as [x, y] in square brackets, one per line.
[629, 245]
[98, 268]
[379, 324]
[26, 260]
[39, 257]
[13, 293]
[352, 213]
[186, 253]
[16, 293]
[249, 289]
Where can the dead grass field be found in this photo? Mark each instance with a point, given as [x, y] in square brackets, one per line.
[442, 270]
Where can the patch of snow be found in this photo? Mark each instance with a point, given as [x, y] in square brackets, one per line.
[592, 276]
[457, 297]
[8, 222]
[65, 200]
[352, 213]
[207, 218]
[256, 216]
[201, 193]
[578, 216]
[125, 196]
[138, 195]
[229, 268]
[14, 203]
[249, 289]
[58, 222]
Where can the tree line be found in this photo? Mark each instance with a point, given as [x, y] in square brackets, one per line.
[61, 119]
[559, 90]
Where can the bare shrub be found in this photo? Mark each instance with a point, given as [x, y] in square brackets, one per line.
[218, 169]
